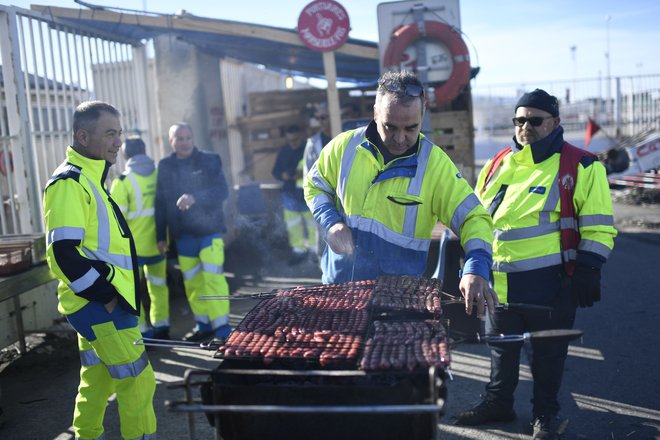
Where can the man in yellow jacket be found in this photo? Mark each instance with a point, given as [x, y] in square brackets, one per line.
[378, 192]
[532, 263]
[135, 193]
[91, 251]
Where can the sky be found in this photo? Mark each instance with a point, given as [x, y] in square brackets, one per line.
[512, 41]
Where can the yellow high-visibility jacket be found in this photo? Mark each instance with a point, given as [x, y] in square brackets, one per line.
[89, 245]
[391, 208]
[135, 194]
[524, 201]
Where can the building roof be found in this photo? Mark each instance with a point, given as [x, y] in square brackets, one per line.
[275, 48]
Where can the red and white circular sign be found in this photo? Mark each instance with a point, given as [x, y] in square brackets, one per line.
[323, 25]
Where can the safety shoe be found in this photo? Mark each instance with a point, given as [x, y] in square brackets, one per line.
[545, 427]
[162, 332]
[486, 411]
[199, 335]
[148, 333]
[297, 257]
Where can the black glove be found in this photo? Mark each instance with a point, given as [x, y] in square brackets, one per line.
[585, 285]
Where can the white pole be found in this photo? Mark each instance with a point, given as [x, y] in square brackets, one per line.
[608, 78]
[333, 95]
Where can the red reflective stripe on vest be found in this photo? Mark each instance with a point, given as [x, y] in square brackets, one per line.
[494, 165]
[568, 166]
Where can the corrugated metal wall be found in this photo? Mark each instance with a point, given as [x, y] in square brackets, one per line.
[48, 68]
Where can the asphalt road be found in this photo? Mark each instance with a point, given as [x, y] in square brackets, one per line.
[609, 390]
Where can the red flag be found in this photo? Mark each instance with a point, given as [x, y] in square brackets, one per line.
[592, 129]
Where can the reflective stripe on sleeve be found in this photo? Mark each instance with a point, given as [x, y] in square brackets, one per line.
[462, 211]
[318, 181]
[596, 220]
[64, 233]
[477, 243]
[319, 200]
[85, 281]
[595, 247]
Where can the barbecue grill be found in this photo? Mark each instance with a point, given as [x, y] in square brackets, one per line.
[363, 360]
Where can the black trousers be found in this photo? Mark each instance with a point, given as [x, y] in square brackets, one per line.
[546, 356]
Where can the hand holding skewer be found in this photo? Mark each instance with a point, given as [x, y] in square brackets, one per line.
[476, 289]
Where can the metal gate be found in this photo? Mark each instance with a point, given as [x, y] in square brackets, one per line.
[48, 67]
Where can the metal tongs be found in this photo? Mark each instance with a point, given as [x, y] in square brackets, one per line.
[211, 345]
[565, 334]
[514, 307]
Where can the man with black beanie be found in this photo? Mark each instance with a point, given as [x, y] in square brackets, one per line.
[552, 212]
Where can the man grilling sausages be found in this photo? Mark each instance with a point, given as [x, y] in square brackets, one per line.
[379, 190]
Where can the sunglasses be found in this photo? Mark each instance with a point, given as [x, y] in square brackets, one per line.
[412, 90]
[534, 121]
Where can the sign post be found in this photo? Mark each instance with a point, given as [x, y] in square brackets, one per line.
[323, 26]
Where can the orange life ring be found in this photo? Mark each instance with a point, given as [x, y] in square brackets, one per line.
[460, 73]
[3, 165]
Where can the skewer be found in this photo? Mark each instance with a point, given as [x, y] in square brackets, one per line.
[151, 342]
[232, 297]
[521, 307]
[569, 334]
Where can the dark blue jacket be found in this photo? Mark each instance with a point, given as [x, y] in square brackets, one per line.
[287, 161]
[200, 175]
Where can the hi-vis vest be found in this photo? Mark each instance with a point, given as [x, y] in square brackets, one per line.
[136, 197]
[392, 208]
[526, 202]
[568, 167]
[78, 207]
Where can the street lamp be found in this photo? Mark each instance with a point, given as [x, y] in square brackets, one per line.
[608, 80]
[574, 59]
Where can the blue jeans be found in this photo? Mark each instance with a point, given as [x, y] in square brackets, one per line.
[546, 356]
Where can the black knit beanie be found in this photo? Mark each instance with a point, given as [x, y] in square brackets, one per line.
[541, 100]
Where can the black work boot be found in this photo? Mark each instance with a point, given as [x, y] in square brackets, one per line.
[485, 412]
[199, 336]
[545, 427]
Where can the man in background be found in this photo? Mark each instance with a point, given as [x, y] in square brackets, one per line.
[288, 169]
[190, 191]
[312, 150]
[549, 248]
[135, 193]
[91, 251]
[319, 139]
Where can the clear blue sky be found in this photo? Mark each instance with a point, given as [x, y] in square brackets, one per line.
[513, 41]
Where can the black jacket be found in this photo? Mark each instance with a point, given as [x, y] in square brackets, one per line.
[200, 175]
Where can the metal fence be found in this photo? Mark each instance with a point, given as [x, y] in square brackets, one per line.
[48, 68]
[623, 107]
